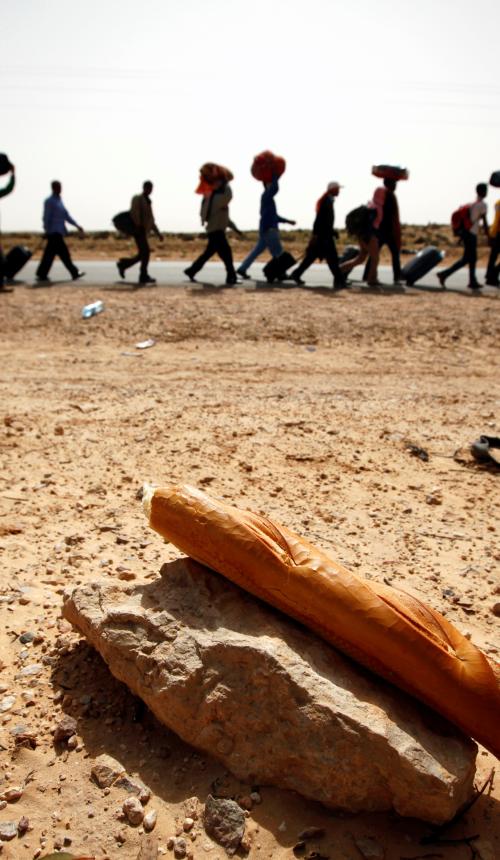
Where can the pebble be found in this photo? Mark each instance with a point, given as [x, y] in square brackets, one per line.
[12, 795]
[149, 821]
[132, 807]
[31, 670]
[180, 847]
[64, 730]
[8, 830]
[369, 848]
[187, 824]
[106, 770]
[26, 637]
[23, 825]
[496, 610]
[6, 704]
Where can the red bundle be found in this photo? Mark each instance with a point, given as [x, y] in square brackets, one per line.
[387, 171]
[210, 175]
[266, 165]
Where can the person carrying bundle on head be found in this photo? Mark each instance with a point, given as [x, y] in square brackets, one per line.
[322, 243]
[387, 224]
[217, 195]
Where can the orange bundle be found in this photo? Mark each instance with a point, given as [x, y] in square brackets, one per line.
[266, 165]
[210, 175]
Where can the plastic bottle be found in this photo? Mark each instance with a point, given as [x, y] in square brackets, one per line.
[92, 309]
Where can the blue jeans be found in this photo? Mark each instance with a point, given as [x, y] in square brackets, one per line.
[270, 239]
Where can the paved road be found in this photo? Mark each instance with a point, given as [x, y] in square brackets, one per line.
[170, 274]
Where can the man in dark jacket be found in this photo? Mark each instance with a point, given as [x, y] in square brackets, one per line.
[322, 242]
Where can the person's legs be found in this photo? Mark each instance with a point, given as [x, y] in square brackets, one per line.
[254, 253]
[144, 254]
[493, 270]
[48, 255]
[471, 251]
[62, 252]
[310, 256]
[396, 261]
[458, 264]
[226, 255]
[349, 265]
[332, 259]
[372, 248]
[209, 251]
[273, 242]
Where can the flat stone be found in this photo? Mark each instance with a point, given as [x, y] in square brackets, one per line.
[8, 830]
[224, 822]
[106, 770]
[277, 705]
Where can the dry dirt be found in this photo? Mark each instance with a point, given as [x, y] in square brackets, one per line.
[299, 405]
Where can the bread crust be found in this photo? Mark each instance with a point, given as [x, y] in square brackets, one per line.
[387, 630]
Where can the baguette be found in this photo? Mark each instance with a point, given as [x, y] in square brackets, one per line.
[387, 630]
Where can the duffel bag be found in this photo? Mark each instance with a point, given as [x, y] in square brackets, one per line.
[123, 223]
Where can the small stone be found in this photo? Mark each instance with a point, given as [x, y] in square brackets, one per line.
[132, 807]
[31, 670]
[72, 743]
[188, 824]
[64, 730]
[312, 833]
[6, 704]
[132, 785]
[59, 430]
[3, 804]
[256, 797]
[224, 822]
[369, 848]
[106, 770]
[435, 497]
[170, 842]
[58, 841]
[245, 801]
[496, 610]
[23, 825]
[180, 848]
[149, 821]
[12, 795]
[8, 830]
[26, 637]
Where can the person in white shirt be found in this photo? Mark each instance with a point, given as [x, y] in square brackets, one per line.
[477, 213]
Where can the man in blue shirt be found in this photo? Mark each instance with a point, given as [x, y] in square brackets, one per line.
[55, 218]
[269, 234]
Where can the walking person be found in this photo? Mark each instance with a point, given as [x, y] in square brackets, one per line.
[493, 270]
[468, 232]
[9, 168]
[141, 212]
[215, 215]
[269, 234]
[387, 225]
[55, 218]
[322, 243]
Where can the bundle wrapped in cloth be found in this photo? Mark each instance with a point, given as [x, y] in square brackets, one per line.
[388, 171]
[384, 628]
[495, 179]
[266, 165]
[210, 175]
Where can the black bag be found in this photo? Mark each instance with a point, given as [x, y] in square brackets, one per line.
[421, 264]
[495, 179]
[5, 164]
[15, 260]
[275, 269]
[359, 221]
[124, 224]
[349, 253]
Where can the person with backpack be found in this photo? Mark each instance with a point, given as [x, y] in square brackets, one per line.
[215, 214]
[359, 223]
[493, 270]
[55, 218]
[322, 243]
[465, 224]
[9, 168]
[269, 234]
[143, 223]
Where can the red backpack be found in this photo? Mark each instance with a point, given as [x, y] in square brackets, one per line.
[461, 220]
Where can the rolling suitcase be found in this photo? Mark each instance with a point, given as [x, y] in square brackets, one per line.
[275, 269]
[421, 264]
[349, 253]
[15, 260]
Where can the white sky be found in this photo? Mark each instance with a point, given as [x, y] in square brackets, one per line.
[103, 94]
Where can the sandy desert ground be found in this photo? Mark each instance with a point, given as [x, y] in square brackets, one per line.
[300, 405]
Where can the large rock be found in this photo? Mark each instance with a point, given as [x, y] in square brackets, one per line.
[239, 680]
